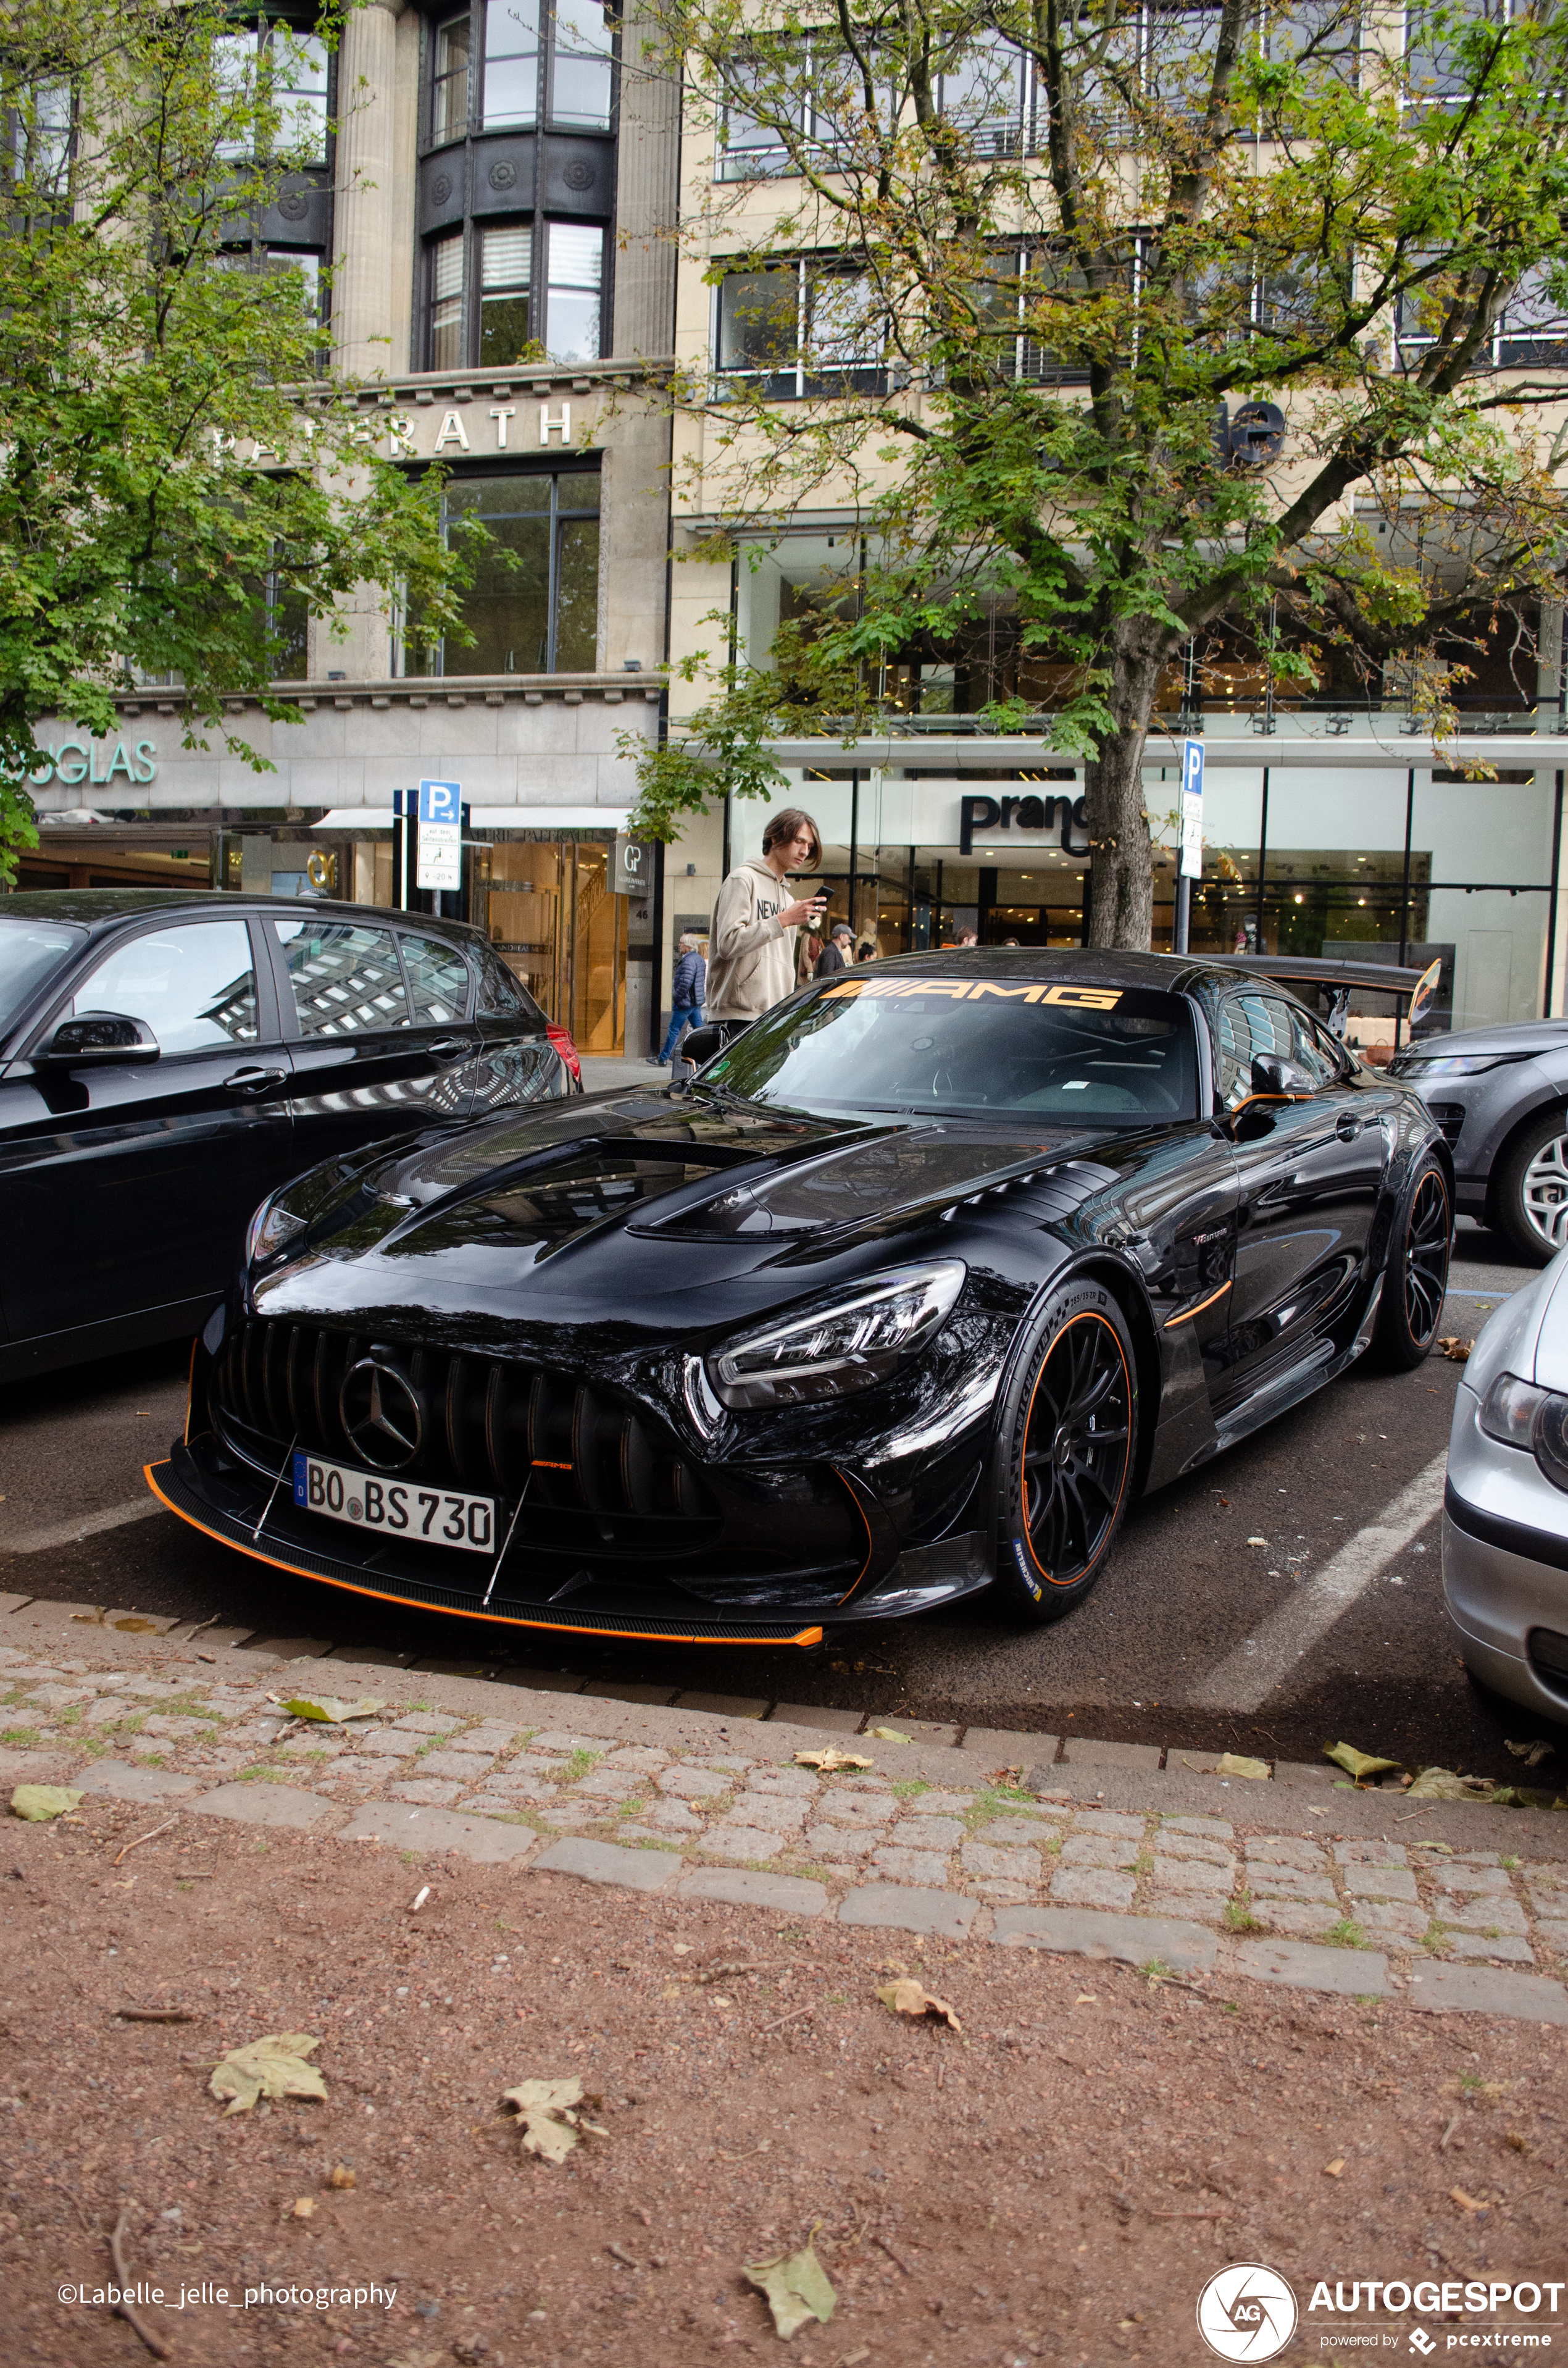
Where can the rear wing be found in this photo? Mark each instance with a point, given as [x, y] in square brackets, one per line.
[1327, 986]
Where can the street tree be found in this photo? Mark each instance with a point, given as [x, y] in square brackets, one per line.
[183, 479]
[1130, 325]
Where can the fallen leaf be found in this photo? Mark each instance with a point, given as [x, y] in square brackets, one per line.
[1087, 1998]
[341, 2176]
[913, 1998]
[797, 2288]
[1467, 2202]
[273, 2066]
[1236, 1763]
[1006, 1775]
[303, 2208]
[830, 1758]
[1532, 1754]
[328, 1708]
[38, 1803]
[1442, 1784]
[1335, 2169]
[1359, 1764]
[550, 2121]
[1455, 1348]
[1257, 1541]
[891, 1734]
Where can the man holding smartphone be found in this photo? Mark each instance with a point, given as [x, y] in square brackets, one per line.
[751, 948]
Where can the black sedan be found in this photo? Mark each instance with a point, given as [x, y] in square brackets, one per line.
[166, 1060]
[908, 1294]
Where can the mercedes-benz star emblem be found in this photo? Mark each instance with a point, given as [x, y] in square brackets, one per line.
[382, 1414]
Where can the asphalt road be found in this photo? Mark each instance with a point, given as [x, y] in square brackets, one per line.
[1195, 1637]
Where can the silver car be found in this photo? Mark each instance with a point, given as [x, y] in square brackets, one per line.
[1501, 1096]
[1506, 1505]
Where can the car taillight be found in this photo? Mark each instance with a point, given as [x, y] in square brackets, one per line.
[565, 1046]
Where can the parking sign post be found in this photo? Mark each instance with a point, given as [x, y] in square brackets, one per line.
[1189, 839]
[439, 862]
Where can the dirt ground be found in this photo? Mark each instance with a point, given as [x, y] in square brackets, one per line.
[1055, 2183]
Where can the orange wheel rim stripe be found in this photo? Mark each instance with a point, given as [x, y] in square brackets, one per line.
[1126, 1461]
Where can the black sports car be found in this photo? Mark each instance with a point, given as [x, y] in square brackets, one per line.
[908, 1294]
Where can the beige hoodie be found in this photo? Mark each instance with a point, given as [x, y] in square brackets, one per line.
[751, 956]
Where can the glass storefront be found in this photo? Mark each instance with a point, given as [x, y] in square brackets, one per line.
[1376, 863]
[549, 910]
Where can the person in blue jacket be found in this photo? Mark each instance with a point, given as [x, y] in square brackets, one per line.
[686, 990]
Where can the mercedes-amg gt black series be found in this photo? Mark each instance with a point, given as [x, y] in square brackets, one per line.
[907, 1294]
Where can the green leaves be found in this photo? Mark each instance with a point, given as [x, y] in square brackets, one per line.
[159, 456]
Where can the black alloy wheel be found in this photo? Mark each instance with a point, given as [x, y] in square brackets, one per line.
[1415, 1279]
[1066, 1452]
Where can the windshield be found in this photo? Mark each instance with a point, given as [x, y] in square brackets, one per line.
[973, 1047]
[29, 951]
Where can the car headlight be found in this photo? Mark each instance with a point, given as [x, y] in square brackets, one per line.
[272, 1228]
[847, 1345]
[1456, 1065]
[1534, 1420]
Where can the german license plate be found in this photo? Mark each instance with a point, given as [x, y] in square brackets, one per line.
[372, 1501]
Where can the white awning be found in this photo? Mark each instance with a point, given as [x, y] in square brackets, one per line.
[611, 818]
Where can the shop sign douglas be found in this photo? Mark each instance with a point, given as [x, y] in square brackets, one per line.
[71, 761]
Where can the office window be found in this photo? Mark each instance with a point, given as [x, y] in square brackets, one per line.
[277, 66]
[537, 65]
[580, 83]
[446, 265]
[562, 308]
[511, 65]
[532, 607]
[504, 260]
[40, 124]
[801, 328]
[577, 253]
[449, 88]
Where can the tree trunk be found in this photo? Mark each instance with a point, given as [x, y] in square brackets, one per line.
[1122, 878]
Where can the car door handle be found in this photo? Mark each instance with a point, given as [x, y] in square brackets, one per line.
[1347, 1127]
[252, 1081]
[450, 1048]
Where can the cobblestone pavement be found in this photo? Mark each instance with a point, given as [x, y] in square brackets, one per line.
[1022, 1855]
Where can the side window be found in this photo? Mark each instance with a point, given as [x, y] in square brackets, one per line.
[347, 980]
[437, 981]
[193, 987]
[501, 995]
[1311, 1050]
[1252, 1028]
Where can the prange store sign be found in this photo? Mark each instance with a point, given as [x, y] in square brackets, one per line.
[1030, 813]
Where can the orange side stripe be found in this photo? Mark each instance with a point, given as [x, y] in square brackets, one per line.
[1186, 1318]
[493, 1619]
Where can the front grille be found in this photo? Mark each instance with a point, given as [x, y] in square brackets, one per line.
[600, 1479]
[1450, 1117]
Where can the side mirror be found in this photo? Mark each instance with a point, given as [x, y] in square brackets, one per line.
[1274, 1079]
[97, 1040]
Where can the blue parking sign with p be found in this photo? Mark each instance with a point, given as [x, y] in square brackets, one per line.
[1192, 766]
[440, 802]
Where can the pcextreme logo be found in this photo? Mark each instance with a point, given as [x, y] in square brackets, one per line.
[1246, 2312]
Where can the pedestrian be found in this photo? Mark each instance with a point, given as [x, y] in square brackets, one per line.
[866, 951]
[968, 938]
[751, 942]
[835, 954]
[687, 989]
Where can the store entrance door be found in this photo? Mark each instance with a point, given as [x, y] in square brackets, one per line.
[555, 919]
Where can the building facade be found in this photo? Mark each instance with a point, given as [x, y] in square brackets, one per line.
[494, 182]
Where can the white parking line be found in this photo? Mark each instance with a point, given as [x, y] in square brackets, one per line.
[86, 1525]
[1246, 1676]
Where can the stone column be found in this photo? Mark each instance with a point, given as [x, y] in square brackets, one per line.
[366, 197]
